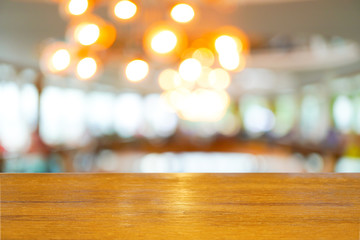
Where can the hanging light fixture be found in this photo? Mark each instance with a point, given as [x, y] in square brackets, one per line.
[87, 68]
[125, 10]
[56, 58]
[91, 31]
[137, 70]
[182, 13]
[75, 8]
[196, 90]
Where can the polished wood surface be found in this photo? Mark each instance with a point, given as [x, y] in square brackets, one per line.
[180, 206]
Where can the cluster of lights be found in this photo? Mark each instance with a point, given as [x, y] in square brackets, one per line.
[86, 37]
[196, 90]
[229, 50]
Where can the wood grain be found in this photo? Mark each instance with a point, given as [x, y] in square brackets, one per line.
[180, 206]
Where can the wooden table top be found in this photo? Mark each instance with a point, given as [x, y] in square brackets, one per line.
[180, 206]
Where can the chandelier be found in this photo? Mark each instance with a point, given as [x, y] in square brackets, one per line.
[194, 73]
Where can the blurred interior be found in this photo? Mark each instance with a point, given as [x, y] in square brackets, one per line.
[280, 92]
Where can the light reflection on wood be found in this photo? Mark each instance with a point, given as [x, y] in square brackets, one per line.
[180, 206]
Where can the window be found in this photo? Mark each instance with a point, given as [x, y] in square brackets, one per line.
[62, 118]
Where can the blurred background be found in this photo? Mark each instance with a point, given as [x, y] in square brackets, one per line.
[179, 86]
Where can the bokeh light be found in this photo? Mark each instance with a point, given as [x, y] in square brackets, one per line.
[258, 119]
[219, 79]
[56, 58]
[86, 68]
[161, 118]
[137, 70]
[205, 105]
[190, 69]
[229, 49]
[92, 31]
[177, 97]
[231, 61]
[60, 60]
[107, 36]
[343, 113]
[125, 9]
[130, 105]
[204, 56]
[169, 79]
[201, 104]
[164, 42]
[87, 33]
[77, 7]
[226, 44]
[182, 13]
[203, 80]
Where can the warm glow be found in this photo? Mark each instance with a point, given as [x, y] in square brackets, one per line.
[190, 69]
[203, 80]
[87, 34]
[56, 58]
[226, 44]
[86, 68]
[107, 36]
[204, 105]
[219, 79]
[77, 7]
[60, 60]
[169, 79]
[136, 70]
[224, 97]
[230, 61]
[204, 56]
[91, 30]
[178, 98]
[125, 9]
[199, 105]
[182, 13]
[164, 42]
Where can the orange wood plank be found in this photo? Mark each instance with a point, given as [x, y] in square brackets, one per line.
[180, 206]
